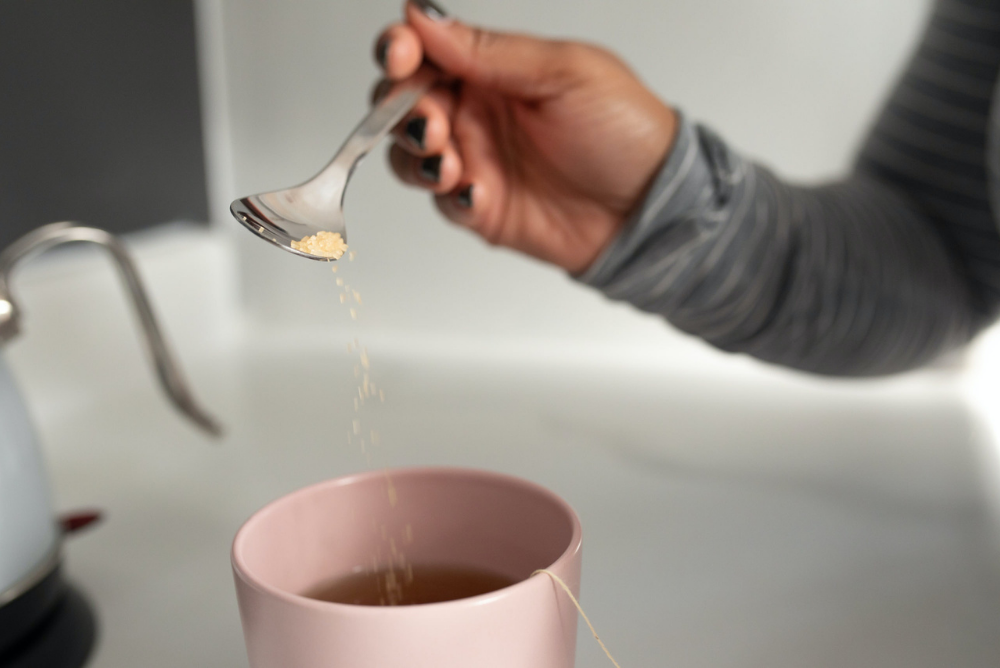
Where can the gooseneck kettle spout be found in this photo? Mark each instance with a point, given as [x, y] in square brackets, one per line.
[56, 234]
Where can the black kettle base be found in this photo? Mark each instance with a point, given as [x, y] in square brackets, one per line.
[63, 640]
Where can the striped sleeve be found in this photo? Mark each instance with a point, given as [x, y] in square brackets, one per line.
[873, 274]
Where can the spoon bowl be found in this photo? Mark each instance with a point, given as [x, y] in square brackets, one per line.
[284, 216]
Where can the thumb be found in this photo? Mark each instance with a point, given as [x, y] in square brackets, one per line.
[516, 65]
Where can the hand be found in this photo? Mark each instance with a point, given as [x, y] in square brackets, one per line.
[541, 146]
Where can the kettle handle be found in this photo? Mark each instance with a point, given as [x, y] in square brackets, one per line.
[55, 234]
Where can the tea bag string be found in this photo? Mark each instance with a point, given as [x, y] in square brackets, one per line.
[579, 608]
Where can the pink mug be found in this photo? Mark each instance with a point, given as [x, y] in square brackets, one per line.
[438, 517]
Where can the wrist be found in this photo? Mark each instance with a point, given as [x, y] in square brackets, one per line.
[600, 236]
[665, 204]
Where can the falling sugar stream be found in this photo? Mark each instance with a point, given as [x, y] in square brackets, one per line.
[392, 580]
[389, 563]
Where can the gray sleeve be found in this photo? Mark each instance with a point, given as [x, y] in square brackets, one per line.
[849, 278]
[877, 273]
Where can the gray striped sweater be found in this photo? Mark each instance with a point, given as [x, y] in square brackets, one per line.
[877, 273]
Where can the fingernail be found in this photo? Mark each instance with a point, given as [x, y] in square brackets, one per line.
[431, 9]
[415, 129]
[465, 197]
[430, 168]
[382, 52]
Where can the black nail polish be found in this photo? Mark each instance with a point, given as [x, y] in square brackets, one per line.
[416, 127]
[382, 52]
[465, 197]
[431, 9]
[430, 168]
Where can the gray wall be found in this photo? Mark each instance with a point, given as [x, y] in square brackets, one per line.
[99, 114]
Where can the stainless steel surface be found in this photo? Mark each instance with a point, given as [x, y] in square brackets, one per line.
[34, 576]
[283, 216]
[47, 237]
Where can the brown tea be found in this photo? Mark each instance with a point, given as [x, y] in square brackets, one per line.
[410, 586]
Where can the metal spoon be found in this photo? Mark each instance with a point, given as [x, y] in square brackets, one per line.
[284, 216]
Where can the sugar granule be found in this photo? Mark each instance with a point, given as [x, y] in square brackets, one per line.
[322, 244]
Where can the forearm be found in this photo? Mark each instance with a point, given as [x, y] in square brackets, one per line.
[846, 279]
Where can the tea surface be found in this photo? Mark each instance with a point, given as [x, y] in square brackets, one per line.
[414, 585]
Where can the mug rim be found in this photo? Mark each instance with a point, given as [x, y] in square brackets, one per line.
[243, 572]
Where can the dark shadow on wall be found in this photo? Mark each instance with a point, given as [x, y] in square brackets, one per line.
[99, 114]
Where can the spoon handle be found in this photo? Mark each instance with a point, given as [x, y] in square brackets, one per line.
[389, 111]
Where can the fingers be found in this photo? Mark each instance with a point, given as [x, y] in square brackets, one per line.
[426, 129]
[464, 206]
[465, 173]
[516, 65]
[475, 202]
[438, 173]
[398, 51]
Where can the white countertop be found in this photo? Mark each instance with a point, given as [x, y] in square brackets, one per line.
[731, 518]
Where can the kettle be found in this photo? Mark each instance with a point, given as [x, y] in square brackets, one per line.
[30, 538]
